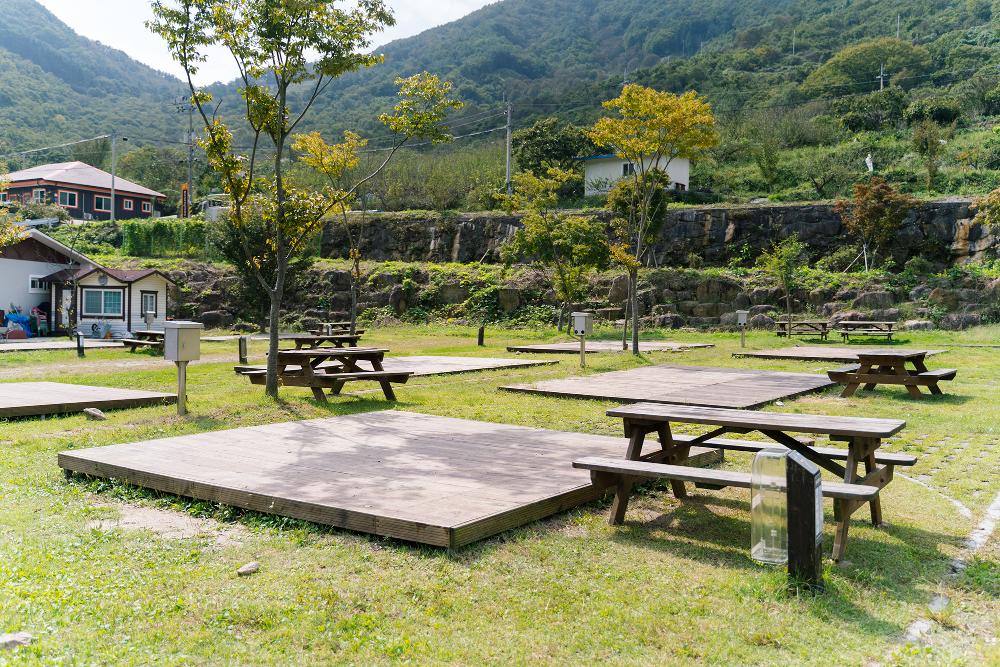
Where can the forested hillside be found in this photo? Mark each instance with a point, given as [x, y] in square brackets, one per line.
[56, 86]
[793, 82]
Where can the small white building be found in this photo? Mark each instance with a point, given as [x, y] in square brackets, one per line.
[601, 172]
[41, 275]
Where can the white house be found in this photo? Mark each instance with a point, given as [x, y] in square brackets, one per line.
[76, 293]
[601, 172]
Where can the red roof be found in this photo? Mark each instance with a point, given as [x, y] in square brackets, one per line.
[78, 173]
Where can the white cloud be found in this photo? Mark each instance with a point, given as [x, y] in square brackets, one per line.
[120, 24]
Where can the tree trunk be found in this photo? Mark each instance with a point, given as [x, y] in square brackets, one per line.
[628, 303]
[788, 305]
[354, 304]
[271, 388]
[634, 298]
[559, 317]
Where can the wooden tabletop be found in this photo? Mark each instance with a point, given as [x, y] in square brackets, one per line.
[892, 354]
[796, 423]
[150, 334]
[332, 351]
[322, 337]
[864, 323]
[812, 322]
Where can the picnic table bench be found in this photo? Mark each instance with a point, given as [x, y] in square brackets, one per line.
[877, 367]
[149, 338]
[862, 436]
[330, 368]
[850, 328]
[791, 328]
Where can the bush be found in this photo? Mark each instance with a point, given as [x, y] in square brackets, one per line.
[941, 110]
[164, 238]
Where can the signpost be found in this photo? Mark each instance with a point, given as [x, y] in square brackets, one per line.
[185, 200]
[742, 317]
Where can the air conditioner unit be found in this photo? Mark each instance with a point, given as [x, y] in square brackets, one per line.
[88, 216]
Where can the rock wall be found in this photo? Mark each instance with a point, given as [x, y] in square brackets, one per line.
[670, 298]
[941, 231]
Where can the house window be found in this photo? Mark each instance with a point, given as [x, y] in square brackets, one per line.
[102, 303]
[68, 199]
[680, 187]
[149, 303]
[3, 197]
[102, 204]
[38, 285]
[128, 204]
[38, 195]
[147, 207]
[628, 169]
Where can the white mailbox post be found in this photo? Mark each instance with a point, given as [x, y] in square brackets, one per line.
[742, 317]
[583, 326]
[149, 316]
[181, 344]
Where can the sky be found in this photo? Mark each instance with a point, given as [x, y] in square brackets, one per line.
[120, 24]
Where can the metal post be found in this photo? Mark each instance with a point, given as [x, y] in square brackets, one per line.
[114, 171]
[583, 351]
[743, 335]
[244, 350]
[510, 144]
[80, 350]
[182, 388]
[805, 521]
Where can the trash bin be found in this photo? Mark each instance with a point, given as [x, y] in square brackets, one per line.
[769, 507]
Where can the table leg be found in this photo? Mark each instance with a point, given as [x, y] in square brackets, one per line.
[624, 487]
[844, 508]
[900, 370]
[876, 503]
[852, 387]
[674, 454]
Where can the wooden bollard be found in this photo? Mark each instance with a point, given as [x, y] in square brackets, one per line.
[805, 521]
[244, 349]
[481, 340]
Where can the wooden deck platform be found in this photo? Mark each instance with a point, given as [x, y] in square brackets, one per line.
[429, 365]
[683, 385]
[435, 480]
[845, 355]
[598, 346]
[43, 344]
[31, 399]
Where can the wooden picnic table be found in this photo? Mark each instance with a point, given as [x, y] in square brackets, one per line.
[331, 368]
[152, 339]
[863, 437]
[850, 328]
[789, 328]
[318, 340]
[877, 367]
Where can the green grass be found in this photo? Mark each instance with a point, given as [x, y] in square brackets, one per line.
[675, 585]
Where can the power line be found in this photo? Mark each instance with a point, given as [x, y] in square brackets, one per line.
[50, 148]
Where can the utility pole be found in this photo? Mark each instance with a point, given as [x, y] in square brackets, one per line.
[898, 19]
[793, 41]
[114, 170]
[510, 147]
[184, 104]
[881, 77]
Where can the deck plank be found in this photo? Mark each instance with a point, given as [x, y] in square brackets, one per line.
[843, 355]
[435, 480]
[32, 399]
[683, 385]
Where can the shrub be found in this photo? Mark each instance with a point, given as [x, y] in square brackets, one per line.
[941, 110]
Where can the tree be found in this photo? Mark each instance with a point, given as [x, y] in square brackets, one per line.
[873, 112]
[288, 52]
[570, 247]
[650, 130]
[549, 142]
[875, 215]
[842, 73]
[988, 210]
[10, 231]
[929, 140]
[784, 262]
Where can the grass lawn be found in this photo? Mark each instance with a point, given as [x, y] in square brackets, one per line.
[675, 585]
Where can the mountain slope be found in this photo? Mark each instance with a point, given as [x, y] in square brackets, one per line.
[56, 86]
[549, 56]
